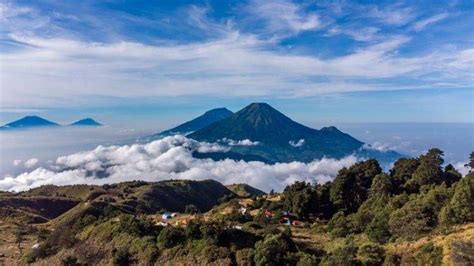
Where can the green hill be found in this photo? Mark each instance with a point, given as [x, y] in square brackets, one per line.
[244, 190]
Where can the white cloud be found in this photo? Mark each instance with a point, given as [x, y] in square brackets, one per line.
[284, 16]
[236, 65]
[16, 162]
[243, 142]
[462, 168]
[169, 158]
[392, 15]
[362, 34]
[421, 24]
[31, 163]
[299, 143]
[378, 146]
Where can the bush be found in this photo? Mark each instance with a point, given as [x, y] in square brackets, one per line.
[429, 254]
[245, 257]
[378, 230]
[273, 250]
[420, 214]
[214, 253]
[131, 225]
[306, 259]
[338, 225]
[460, 208]
[170, 237]
[191, 209]
[70, 261]
[371, 254]
[342, 255]
[121, 257]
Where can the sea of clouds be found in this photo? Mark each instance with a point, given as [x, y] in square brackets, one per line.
[168, 158]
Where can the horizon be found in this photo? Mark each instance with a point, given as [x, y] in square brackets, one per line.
[349, 61]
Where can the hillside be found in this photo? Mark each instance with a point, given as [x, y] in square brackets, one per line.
[197, 123]
[244, 190]
[419, 213]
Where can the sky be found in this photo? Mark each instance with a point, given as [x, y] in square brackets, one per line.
[143, 63]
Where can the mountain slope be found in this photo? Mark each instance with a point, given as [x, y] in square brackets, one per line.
[86, 122]
[29, 122]
[281, 139]
[199, 122]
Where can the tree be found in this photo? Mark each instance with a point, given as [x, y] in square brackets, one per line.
[121, 257]
[300, 199]
[451, 175]
[273, 250]
[379, 196]
[338, 225]
[170, 237]
[429, 172]
[371, 254]
[460, 209]
[471, 162]
[191, 209]
[401, 172]
[325, 207]
[420, 214]
[350, 187]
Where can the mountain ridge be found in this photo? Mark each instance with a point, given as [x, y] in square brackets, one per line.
[197, 123]
[281, 138]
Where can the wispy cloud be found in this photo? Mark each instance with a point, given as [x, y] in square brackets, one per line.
[229, 61]
[421, 24]
[283, 16]
[393, 15]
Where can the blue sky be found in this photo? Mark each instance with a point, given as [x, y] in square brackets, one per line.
[318, 61]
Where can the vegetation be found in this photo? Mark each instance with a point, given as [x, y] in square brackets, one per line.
[419, 213]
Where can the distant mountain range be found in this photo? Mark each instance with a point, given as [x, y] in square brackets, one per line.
[36, 122]
[262, 133]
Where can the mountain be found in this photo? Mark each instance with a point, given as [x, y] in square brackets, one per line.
[29, 122]
[199, 122]
[86, 122]
[244, 190]
[279, 138]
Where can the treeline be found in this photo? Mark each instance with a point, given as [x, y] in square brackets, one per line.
[416, 196]
[362, 210]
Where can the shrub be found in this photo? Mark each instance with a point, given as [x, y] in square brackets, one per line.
[342, 255]
[170, 237]
[420, 214]
[121, 257]
[460, 208]
[370, 254]
[191, 209]
[378, 230]
[70, 261]
[42, 234]
[306, 259]
[245, 257]
[273, 250]
[338, 225]
[429, 254]
[213, 253]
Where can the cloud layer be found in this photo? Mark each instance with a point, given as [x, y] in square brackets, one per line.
[168, 158]
[244, 54]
